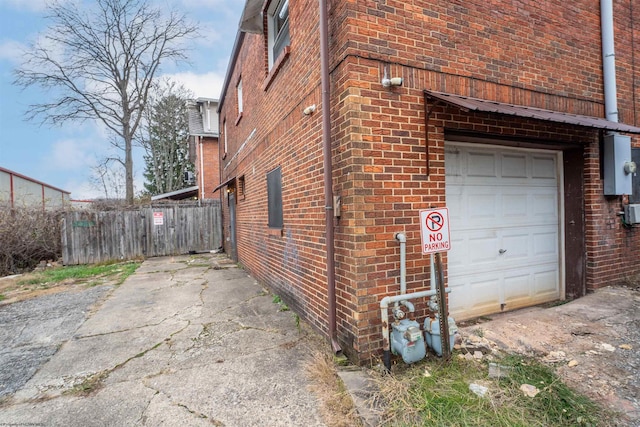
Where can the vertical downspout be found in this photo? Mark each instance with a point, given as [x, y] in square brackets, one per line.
[328, 173]
[201, 167]
[608, 61]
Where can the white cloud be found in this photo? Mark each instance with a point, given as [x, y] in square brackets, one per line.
[206, 85]
[209, 34]
[209, 4]
[82, 190]
[30, 5]
[71, 154]
[12, 51]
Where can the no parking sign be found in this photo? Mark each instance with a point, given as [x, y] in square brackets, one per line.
[434, 230]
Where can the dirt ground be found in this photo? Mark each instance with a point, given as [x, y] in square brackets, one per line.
[13, 288]
[594, 343]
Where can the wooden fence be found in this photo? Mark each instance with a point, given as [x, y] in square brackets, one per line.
[93, 237]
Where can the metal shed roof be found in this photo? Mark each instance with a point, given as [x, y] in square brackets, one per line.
[476, 104]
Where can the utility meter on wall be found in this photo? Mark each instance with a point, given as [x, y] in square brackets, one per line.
[630, 168]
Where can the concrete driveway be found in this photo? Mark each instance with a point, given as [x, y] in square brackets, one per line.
[189, 340]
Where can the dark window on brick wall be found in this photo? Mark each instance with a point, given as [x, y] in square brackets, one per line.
[241, 188]
[274, 198]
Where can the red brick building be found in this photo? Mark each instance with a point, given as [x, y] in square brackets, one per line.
[496, 111]
[203, 145]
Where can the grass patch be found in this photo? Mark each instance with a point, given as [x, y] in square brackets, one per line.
[89, 385]
[2, 297]
[442, 397]
[336, 405]
[79, 273]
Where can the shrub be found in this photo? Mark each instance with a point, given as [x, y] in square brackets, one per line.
[27, 236]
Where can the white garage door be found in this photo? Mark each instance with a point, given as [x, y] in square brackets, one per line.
[504, 218]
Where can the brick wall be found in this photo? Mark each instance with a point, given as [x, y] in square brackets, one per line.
[207, 150]
[379, 138]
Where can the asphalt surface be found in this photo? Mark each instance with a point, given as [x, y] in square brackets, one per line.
[31, 332]
[184, 341]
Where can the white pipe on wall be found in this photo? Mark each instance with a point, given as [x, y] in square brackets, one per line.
[608, 60]
[201, 169]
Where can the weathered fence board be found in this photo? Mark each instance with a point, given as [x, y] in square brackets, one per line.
[93, 237]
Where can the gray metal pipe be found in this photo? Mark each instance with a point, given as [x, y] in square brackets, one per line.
[384, 315]
[328, 173]
[402, 238]
[608, 60]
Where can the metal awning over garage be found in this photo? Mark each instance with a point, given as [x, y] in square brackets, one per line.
[483, 105]
[223, 184]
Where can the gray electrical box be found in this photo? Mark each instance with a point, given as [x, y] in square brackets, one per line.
[632, 214]
[617, 153]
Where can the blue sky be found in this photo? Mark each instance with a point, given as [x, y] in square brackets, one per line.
[63, 156]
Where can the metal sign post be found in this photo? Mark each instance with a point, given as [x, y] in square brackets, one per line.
[443, 308]
[434, 231]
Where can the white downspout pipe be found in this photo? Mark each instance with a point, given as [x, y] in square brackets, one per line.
[402, 238]
[201, 168]
[608, 61]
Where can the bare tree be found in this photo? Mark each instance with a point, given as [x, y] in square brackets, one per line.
[100, 63]
[107, 180]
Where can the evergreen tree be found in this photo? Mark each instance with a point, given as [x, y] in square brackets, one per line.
[165, 141]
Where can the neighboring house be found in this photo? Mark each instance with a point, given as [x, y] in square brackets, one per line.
[203, 145]
[203, 153]
[17, 190]
[497, 113]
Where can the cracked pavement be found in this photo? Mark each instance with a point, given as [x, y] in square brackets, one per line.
[187, 340]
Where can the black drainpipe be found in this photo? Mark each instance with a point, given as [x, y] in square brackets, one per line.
[328, 173]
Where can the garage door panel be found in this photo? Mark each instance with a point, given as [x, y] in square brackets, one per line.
[482, 206]
[502, 199]
[475, 294]
[483, 249]
[546, 282]
[545, 205]
[545, 244]
[517, 286]
[514, 206]
[514, 166]
[544, 168]
[515, 244]
[481, 164]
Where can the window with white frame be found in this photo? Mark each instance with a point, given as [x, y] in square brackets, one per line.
[239, 90]
[278, 28]
[224, 136]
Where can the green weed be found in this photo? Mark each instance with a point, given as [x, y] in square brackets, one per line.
[443, 397]
[82, 272]
[283, 306]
